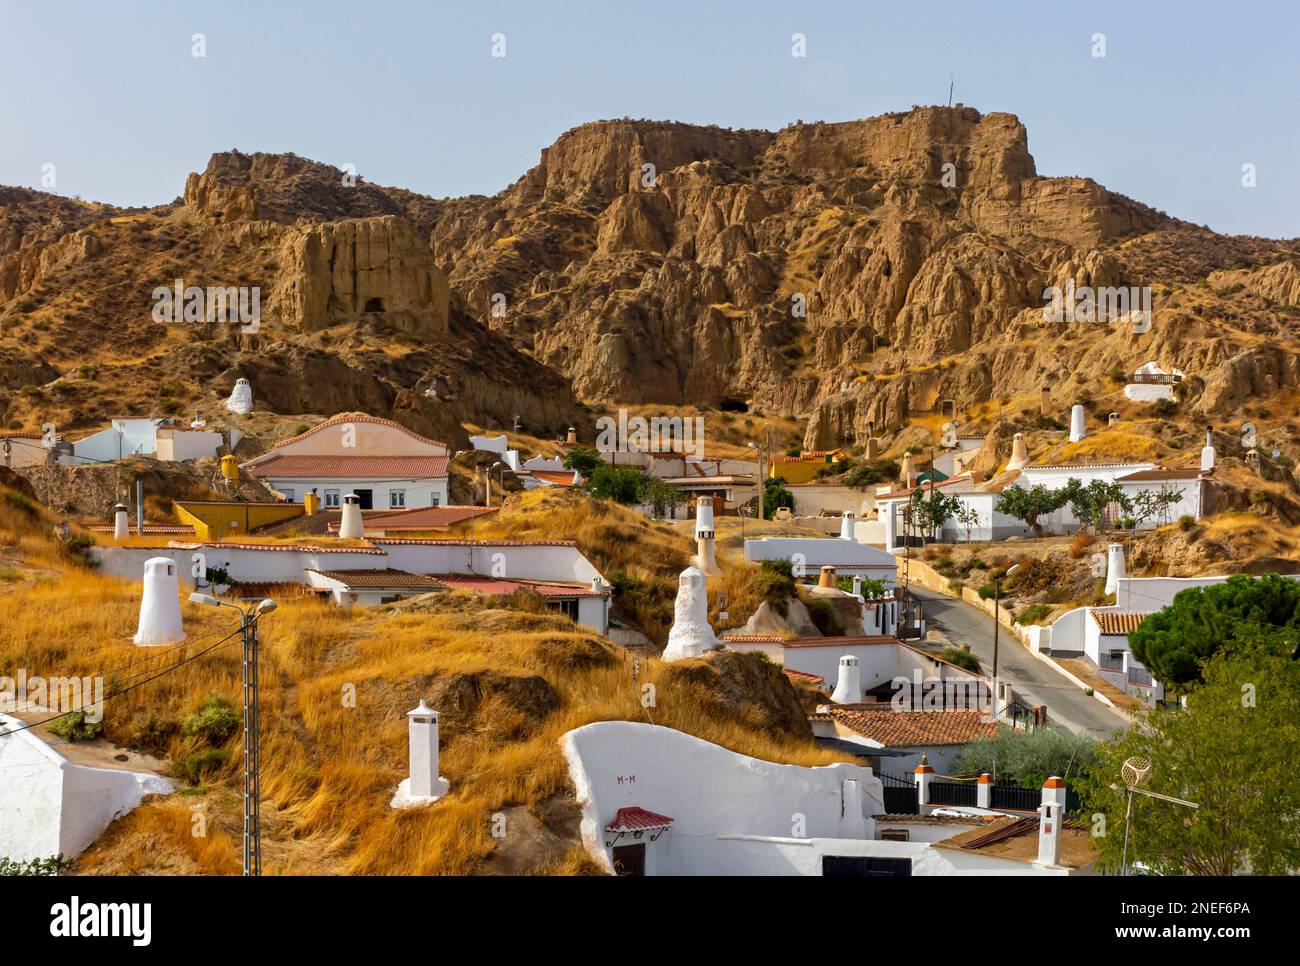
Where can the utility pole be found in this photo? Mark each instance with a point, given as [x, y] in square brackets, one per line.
[252, 752]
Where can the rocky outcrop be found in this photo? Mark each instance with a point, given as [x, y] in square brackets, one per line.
[1279, 282]
[376, 270]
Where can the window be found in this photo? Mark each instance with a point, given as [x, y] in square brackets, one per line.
[397, 499]
[857, 865]
[895, 835]
[332, 498]
[288, 494]
[567, 606]
[434, 501]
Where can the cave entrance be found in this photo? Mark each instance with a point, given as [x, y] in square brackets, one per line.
[374, 305]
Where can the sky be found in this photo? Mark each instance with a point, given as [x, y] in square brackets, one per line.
[111, 94]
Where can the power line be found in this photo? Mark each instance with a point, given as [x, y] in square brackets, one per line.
[132, 687]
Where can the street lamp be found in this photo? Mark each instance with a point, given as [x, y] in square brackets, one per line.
[252, 775]
[997, 597]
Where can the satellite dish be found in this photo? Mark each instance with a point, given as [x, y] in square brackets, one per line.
[1136, 771]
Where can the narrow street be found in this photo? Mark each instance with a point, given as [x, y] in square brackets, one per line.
[1033, 680]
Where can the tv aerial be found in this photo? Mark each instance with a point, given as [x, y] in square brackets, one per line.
[1134, 773]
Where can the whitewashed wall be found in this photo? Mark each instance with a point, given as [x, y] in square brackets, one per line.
[49, 806]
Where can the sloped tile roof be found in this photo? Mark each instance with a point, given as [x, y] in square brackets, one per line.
[350, 467]
[382, 579]
[634, 818]
[341, 418]
[898, 729]
[1117, 622]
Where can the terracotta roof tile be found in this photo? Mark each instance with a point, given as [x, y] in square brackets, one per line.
[359, 418]
[382, 579]
[497, 586]
[633, 818]
[423, 518]
[1117, 622]
[433, 541]
[350, 467]
[555, 477]
[896, 729]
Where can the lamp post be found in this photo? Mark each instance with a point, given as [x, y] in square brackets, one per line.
[501, 481]
[997, 598]
[252, 771]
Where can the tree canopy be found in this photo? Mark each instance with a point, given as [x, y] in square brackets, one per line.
[1174, 642]
[583, 459]
[1029, 505]
[930, 508]
[1231, 751]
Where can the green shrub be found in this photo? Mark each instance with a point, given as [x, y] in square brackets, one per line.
[1033, 613]
[823, 614]
[21, 503]
[75, 727]
[774, 583]
[192, 768]
[214, 722]
[54, 865]
[955, 655]
[987, 592]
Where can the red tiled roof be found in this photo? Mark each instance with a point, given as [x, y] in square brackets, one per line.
[1117, 622]
[350, 467]
[359, 418]
[752, 639]
[1160, 473]
[298, 547]
[382, 579]
[499, 586]
[926, 485]
[905, 729]
[801, 675]
[434, 542]
[18, 434]
[149, 528]
[841, 641]
[636, 819]
[555, 477]
[423, 518]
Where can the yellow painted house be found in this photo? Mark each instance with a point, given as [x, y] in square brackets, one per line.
[804, 467]
[214, 520]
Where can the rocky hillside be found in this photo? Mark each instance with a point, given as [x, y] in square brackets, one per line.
[852, 274]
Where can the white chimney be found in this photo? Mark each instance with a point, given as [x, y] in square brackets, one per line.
[1114, 567]
[351, 526]
[848, 686]
[1051, 816]
[121, 522]
[691, 635]
[1077, 427]
[846, 526]
[160, 606]
[1019, 452]
[241, 398]
[424, 785]
[706, 547]
[857, 584]
[1207, 452]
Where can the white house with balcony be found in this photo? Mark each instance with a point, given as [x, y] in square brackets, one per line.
[387, 466]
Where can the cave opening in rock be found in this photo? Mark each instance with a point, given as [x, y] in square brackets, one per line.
[375, 305]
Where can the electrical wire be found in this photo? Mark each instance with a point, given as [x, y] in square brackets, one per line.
[120, 691]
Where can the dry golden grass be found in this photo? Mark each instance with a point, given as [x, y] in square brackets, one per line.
[335, 690]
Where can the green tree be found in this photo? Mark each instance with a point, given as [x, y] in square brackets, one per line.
[968, 517]
[622, 484]
[1155, 504]
[775, 496]
[1030, 504]
[659, 496]
[930, 508]
[1230, 752]
[1174, 642]
[583, 459]
[1089, 502]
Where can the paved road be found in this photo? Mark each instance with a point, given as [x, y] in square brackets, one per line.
[1034, 680]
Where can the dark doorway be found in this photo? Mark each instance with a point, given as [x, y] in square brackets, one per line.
[629, 859]
[375, 305]
[861, 865]
[366, 498]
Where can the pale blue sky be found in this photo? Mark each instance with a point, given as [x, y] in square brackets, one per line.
[409, 92]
